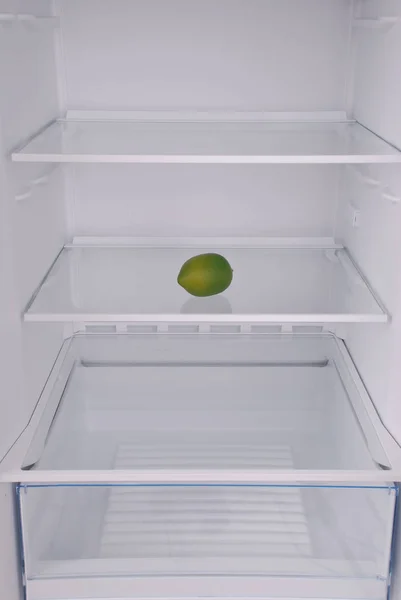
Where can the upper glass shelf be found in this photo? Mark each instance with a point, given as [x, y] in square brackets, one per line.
[139, 284]
[226, 142]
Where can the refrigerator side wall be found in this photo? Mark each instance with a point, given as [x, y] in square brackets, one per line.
[375, 243]
[31, 234]
[10, 569]
[32, 216]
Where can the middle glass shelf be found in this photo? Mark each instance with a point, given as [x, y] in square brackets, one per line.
[274, 282]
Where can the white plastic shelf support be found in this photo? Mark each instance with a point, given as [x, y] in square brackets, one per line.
[38, 181]
[376, 23]
[27, 19]
[383, 191]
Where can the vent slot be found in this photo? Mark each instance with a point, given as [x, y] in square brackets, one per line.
[183, 328]
[266, 329]
[307, 329]
[225, 328]
[141, 328]
[101, 328]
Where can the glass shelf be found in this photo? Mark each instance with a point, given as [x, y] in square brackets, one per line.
[206, 142]
[205, 408]
[270, 285]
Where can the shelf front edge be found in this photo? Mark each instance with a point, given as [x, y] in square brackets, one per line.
[205, 159]
[196, 478]
[218, 318]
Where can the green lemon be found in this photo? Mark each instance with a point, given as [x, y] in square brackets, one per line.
[205, 275]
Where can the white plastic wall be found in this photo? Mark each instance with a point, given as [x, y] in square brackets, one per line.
[31, 234]
[377, 83]
[375, 243]
[204, 200]
[33, 227]
[10, 570]
[289, 55]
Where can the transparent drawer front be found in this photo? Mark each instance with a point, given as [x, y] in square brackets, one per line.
[317, 533]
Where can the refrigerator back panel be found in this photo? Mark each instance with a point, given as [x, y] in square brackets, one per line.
[228, 55]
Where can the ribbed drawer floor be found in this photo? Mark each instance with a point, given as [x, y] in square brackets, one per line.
[203, 521]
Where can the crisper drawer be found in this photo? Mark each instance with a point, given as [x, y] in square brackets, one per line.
[136, 541]
[205, 465]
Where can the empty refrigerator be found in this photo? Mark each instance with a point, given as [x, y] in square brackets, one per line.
[155, 443]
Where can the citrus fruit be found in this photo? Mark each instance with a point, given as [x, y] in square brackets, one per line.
[205, 275]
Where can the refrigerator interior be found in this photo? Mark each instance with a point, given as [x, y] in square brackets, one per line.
[310, 59]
